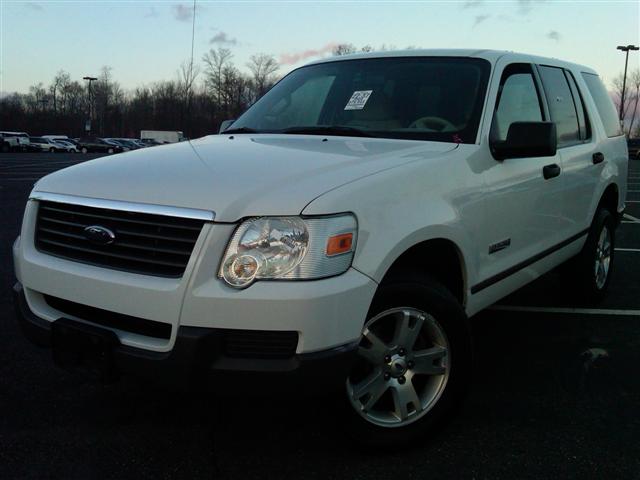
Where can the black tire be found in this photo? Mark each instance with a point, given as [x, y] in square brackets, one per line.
[429, 296]
[110, 150]
[582, 269]
[84, 150]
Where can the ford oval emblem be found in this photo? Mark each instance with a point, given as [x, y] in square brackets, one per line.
[99, 235]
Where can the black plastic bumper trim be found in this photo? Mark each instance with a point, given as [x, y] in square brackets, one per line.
[198, 361]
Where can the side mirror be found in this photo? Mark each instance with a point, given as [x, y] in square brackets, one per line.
[527, 139]
[224, 125]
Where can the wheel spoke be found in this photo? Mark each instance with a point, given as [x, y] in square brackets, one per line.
[407, 330]
[373, 386]
[425, 361]
[376, 349]
[403, 396]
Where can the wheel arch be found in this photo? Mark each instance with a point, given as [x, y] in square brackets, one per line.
[610, 199]
[440, 258]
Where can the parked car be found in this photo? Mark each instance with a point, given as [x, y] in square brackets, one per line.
[66, 146]
[633, 144]
[119, 143]
[97, 145]
[46, 144]
[340, 236]
[14, 141]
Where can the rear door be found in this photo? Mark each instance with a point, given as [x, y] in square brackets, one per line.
[580, 159]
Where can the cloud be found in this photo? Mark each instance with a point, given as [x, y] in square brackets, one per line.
[295, 57]
[182, 13]
[525, 6]
[554, 35]
[34, 6]
[152, 13]
[222, 38]
[479, 19]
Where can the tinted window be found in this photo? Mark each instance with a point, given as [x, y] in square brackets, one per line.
[418, 98]
[518, 102]
[561, 106]
[603, 102]
[583, 119]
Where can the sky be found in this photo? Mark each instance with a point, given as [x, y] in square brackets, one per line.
[145, 41]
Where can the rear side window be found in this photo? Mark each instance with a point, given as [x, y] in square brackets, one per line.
[561, 107]
[603, 102]
[583, 118]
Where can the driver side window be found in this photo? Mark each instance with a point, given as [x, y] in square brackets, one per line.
[518, 101]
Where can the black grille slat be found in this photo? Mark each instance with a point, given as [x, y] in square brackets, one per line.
[126, 323]
[260, 343]
[150, 244]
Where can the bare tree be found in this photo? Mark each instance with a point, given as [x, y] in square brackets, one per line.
[634, 81]
[343, 49]
[263, 68]
[215, 62]
[617, 84]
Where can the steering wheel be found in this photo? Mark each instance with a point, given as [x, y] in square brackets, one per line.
[433, 123]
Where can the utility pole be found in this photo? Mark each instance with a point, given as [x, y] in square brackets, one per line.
[87, 126]
[624, 78]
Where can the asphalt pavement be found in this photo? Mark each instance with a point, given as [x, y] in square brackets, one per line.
[556, 394]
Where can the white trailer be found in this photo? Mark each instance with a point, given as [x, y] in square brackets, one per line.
[162, 136]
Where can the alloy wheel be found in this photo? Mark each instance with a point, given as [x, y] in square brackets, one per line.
[603, 257]
[403, 367]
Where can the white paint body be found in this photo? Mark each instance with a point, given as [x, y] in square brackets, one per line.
[403, 192]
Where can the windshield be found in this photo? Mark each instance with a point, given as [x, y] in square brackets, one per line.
[417, 98]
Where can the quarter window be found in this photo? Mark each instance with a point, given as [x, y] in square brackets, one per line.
[604, 105]
[518, 101]
[561, 107]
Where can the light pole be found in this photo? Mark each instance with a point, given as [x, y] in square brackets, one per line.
[88, 124]
[624, 78]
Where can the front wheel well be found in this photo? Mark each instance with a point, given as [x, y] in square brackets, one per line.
[439, 258]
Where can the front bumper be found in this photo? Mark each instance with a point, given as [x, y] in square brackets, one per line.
[197, 361]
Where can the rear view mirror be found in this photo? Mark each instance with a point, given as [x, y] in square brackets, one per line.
[527, 139]
[224, 125]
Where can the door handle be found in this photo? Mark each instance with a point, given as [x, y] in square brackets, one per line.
[597, 158]
[550, 171]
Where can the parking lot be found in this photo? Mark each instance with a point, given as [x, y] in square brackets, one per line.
[557, 393]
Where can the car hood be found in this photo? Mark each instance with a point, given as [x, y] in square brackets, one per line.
[238, 176]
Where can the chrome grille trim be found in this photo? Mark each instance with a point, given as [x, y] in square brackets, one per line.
[180, 212]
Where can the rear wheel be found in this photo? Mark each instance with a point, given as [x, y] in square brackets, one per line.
[591, 269]
[110, 150]
[414, 364]
[84, 150]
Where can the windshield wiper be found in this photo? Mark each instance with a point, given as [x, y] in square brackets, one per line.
[340, 130]
[240, 130]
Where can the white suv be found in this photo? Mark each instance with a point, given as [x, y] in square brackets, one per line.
[341, 232]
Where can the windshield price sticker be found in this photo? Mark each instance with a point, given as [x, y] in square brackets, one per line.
[358, 100]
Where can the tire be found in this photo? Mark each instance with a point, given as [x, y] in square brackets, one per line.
[84, 150]
[6, 148]
[442, 349]
[591, 269]
[110, 150]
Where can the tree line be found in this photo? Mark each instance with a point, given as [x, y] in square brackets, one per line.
[196, 101]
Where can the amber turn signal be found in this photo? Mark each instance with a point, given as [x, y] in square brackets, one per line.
[339, 244]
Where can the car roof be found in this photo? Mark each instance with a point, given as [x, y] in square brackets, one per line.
[490, 55]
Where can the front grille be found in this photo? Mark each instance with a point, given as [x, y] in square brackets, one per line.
[144, 243]
[106, 318]
[259, 343]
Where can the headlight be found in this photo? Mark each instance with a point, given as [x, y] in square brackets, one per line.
[289, 248]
